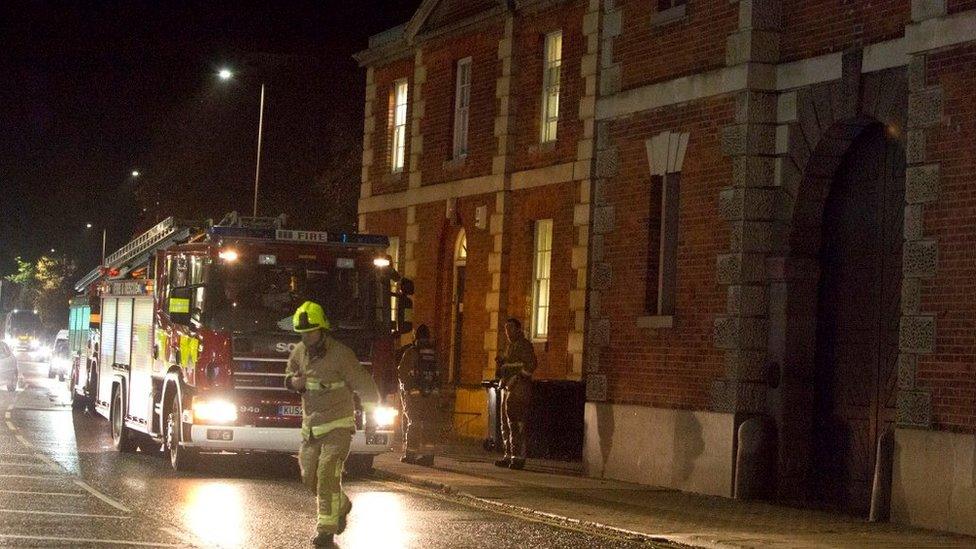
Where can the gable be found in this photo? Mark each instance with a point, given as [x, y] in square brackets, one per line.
[435, 14]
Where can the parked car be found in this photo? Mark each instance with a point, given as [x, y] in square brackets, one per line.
[59, 361]
[8, 367]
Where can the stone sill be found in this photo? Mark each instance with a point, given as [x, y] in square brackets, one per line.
[455, 163]
[669, 15]
[543, 148]
[394, 177]
[657, 321]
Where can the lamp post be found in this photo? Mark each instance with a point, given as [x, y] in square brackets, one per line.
[227, 74]
[104, 234]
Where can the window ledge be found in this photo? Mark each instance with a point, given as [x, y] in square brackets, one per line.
[393, 177]
[543, 148]
[455, 163]
[669, 15]
[657, 321]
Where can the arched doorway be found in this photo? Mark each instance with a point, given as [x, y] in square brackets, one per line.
[857, 315]
[457, 304]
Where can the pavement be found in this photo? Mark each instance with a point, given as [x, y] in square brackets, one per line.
[559, 491]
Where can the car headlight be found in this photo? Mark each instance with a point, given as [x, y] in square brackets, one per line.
[35, 344]
[214, 410]
[384, 416]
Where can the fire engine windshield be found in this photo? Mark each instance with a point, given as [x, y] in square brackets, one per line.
[262, 298]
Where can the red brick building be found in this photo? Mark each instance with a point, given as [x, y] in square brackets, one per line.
[763, 224]
[478, 138]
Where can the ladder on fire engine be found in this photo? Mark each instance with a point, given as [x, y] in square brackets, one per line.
[165, 233]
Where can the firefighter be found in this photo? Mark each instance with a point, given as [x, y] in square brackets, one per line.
[418, 376]
[515, 370]
[326, 373]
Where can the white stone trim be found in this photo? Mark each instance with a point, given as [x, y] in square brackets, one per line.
[941, 32]
[666, 152]
[884, 55]
[433, 193]
[806, 72]
[540, 177]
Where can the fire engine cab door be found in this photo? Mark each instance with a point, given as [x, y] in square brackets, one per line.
[140, 364]
[106, 354]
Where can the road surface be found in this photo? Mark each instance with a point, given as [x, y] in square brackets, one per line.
[63, 485]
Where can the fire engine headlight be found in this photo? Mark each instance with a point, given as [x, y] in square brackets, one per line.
[35, 344]
[229, 255]
[381, 262]
[384, 416]
[214, 411]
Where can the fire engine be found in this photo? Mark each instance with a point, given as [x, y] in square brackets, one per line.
[189, 332]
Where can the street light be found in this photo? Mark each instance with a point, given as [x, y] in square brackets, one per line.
[104, 234]
[226, 74]
[135, 173]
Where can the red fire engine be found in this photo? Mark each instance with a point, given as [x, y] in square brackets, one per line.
[190, 333]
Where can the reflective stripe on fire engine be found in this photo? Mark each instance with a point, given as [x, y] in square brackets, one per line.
[324, 428]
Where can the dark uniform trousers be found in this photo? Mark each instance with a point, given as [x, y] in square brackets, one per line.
[419, 411]
[516, 399]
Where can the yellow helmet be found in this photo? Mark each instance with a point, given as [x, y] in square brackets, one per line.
[309, 317]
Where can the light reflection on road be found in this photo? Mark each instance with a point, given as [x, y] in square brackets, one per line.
[377, 520]
[214, 512]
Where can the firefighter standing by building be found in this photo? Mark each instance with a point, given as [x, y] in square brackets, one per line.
[515, 370]
[419, 385]
[326, 373]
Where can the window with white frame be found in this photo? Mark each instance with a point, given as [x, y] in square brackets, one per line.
[398, 125]
[553, 60]
[542, 273]
[394, 252]
[462, 104]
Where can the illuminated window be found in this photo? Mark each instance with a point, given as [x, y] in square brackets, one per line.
[398, 126]
[540, 278]
[552, 57]
[462, 103]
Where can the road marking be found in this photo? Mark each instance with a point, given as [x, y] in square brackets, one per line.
[46, 459]
[90, 540]
[59, 494]
[103, 497]
[11, 426]
[24, 464]
[37, 477]
[186, 539]
[59, 514]
[6, 415]
[20, 454]
[24, 441]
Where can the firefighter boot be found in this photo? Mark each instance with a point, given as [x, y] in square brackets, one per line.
[504, 462]
[517, 463]
[409, 457]
[323, 540]
[341, 526]
[426, 460]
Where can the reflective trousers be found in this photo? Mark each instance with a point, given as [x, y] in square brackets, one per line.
[515, 408]
[321, 459]
[419, 411]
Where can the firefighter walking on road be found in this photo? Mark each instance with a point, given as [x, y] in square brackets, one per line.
[326, 373]
[419, 385]
[515, 370]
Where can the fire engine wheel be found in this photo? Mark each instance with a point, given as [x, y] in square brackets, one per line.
[122, 437]
[78, 402]
[180, 458]
[11, 387]
[50, 372]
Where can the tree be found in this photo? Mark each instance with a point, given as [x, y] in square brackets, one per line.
[25, 290]
[45, 285]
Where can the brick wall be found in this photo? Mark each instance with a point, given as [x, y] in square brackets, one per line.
[816, 27]
[435, 281]
[950, 371]
[651, 53]
[529, 39]
[381, 178]
[955, 6]
[440, 57]
[668, 367]
[553, 202]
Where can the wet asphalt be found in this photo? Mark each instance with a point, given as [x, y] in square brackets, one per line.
[63, 485]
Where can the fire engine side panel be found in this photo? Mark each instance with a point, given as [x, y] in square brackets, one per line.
[123, 332]
[140, 374]
[106, 355]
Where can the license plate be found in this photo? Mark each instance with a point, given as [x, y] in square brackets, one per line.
[220, 434]
[289, 410]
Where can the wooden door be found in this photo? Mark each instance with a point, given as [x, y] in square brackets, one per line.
[857, 318]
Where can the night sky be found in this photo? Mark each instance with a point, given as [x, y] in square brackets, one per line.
[93, 91]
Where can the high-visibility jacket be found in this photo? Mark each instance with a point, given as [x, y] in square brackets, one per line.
[518, 362]
[332, 376]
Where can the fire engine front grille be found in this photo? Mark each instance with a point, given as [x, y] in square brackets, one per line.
[259, 374]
